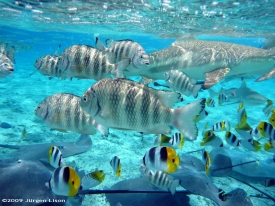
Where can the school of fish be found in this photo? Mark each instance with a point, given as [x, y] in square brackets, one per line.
[117, 102]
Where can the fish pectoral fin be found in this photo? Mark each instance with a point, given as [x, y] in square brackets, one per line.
[102, 129]
[160, 129]
[266, 76]
[214, 77]
[120, 67]
[145, 80]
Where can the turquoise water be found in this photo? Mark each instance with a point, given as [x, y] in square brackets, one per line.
[37, 28]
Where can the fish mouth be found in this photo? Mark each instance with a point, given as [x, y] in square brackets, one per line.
[147, 64]
[11, 69]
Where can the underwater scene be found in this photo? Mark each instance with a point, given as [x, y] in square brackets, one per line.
[137, 103]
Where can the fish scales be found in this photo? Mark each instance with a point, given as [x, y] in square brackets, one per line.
[125, 104]
[83, 61]
[62, 111]
[138, 104]
[124, 49]
[47, 65]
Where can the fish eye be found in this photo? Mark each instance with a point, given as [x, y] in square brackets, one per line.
[173, 160]
[84, 98]
[38, 107]
[141, 57]
[73, 182]
[6, 64]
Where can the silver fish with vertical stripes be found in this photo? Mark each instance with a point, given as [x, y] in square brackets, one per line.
[47, 66]
[159, 179]
[86, 62]
[6, 60]
[126, 49]
[62, 112]
[178, 81]
[125, 104]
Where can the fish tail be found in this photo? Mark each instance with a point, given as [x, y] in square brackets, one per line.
[173, 186]
[257, 146]
[195, 90]
[183, 118]
[267, 146]
[120, 67]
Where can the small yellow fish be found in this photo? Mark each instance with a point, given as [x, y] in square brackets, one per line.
[92, 179]
[207, 159]
[24, 133]
[242, 119]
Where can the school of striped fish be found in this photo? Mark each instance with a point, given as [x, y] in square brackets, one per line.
[116, 101]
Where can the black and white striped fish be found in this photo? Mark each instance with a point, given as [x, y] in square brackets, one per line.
[178, 81]
[221, 126]
[126, 49]
[116, 165]
[64, 181]
[125, 104]
[86, 62]
[159, 179]
[47, 66]
[232, 139]
[62, 112]
[161, 158]
[55, 157]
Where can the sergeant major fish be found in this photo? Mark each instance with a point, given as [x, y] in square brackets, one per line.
[86, 62]
[47, 66]
[126, 49]
[178, 81]
[6, 60]
[159, 179]
[62, 112]
[125, 104]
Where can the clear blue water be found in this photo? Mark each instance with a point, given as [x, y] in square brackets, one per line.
[36, 28]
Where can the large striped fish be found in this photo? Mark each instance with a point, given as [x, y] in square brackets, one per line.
[86, 62]
[126, 49]
[178, 81]
[125, 104]
[62, 112]
[47, 66]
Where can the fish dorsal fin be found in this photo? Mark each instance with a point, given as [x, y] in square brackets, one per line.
[243, 85]
[109, 42]
[57, 49]
[99, 45]
[10, 54]
[3, 48]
